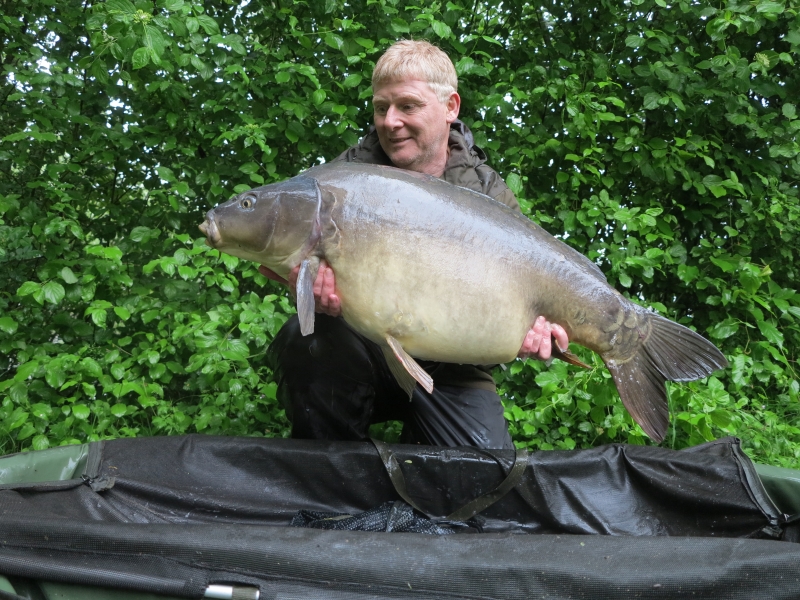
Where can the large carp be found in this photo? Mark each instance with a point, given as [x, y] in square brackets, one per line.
[429, 270]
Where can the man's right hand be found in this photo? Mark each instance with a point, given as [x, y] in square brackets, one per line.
[538, 342]
[325, 298]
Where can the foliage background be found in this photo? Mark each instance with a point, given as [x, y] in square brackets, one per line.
[658, 138]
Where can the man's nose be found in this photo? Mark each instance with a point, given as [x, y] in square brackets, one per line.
[392, 118]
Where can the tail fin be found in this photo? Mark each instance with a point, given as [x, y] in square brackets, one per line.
[670, 352]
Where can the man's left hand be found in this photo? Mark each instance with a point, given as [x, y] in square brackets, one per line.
[538, 342]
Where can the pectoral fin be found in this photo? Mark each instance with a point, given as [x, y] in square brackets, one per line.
[568, 357]
[305, 294]
[405, 369]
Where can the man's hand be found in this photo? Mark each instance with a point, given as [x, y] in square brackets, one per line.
[325, 299]
[538, 342]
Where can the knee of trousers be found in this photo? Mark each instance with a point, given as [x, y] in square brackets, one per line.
[332, 351]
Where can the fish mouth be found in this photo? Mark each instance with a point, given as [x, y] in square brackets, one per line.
[211, 231]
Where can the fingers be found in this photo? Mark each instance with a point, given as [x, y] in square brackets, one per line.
[560, 335]
[545, 345]
[318, 281]
[539, 340]
[326, 299]
[527, 345]
[334, 306]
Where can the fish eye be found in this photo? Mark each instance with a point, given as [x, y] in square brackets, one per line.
[247, 203]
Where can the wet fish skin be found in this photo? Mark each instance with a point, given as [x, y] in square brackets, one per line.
[437, 272]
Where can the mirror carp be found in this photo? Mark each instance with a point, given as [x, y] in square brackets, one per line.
[438, 272]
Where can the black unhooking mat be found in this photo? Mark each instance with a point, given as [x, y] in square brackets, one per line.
[173, 515]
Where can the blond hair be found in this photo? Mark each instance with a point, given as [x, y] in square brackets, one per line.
[413, 59]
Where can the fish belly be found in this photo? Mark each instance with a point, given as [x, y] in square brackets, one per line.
[440, 304]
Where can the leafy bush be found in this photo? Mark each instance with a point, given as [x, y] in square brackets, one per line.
[660, 140]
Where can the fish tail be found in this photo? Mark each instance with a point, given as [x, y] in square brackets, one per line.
[668, 352]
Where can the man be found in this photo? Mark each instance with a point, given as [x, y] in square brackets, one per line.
[334, 383]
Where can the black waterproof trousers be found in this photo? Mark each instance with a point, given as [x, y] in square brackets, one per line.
[334, 383]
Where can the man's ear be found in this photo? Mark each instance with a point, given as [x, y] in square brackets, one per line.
[453, 105]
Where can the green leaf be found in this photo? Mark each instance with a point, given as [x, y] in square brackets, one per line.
[651, 101]
[53, 292]
[208, 24]
[54, 375]
[81, 412]
[514, 183]
[120, 6]
[721, 418]
[770, 332]
[98, 317]
[750, 281]
[16, 419]
[634, 41]
[352, 80]
[40, 442]
[769, 7]
[442, 30]
[728, 265]
[717, 191]
[27, 431]
[140, 233]
[399, 26]
[789, 111]
[165, 173]
[318, 97]
[92, 367]
[192, 24]
[68, 276]
[26, 370]
[8, 325]
[716, 28]
[28, 288]
[110, 252]
[122, 313]
[249, 168]
[118, 371]
[334, 41]
[141, 56]
[18, 393]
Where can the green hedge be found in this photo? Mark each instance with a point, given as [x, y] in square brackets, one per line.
[658, 139]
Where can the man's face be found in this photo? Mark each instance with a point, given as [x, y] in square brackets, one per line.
[413, 126]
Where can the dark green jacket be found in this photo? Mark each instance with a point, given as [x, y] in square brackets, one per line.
[466, 167]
